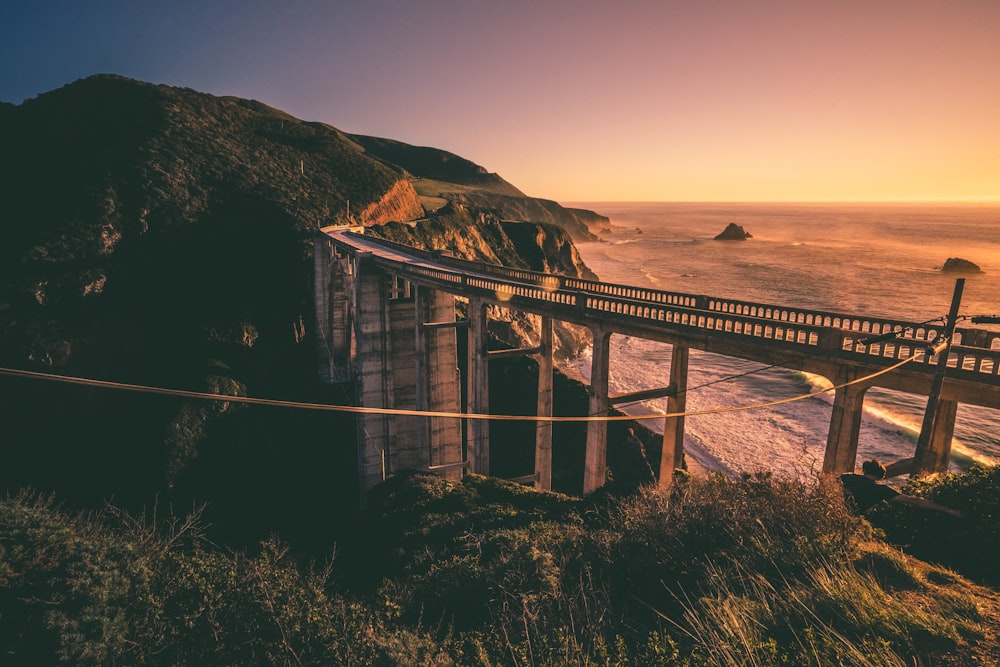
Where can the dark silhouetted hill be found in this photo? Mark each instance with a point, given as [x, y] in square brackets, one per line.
[161, 236]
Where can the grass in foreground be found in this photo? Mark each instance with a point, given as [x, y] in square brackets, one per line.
[755, 571]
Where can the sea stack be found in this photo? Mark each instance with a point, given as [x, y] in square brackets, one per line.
[959, 265]
[733, 232]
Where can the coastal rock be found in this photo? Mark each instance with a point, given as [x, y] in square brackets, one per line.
[959, 265]
[733, 232]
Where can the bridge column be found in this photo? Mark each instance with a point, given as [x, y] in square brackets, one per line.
[935, 457]
[332, 312]
[595, 458]
[543, 430]
[479, 388]
[845, 424]
[373, 373]
[672, 456]
[437, 382]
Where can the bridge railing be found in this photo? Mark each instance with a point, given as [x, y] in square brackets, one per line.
[865, 324]
[816, 331]
[971, 362]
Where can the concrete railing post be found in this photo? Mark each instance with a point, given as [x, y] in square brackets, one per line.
[543, 430]
[595, 458]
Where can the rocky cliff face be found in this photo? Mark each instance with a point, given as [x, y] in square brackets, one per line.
[481, 237]
[443, 176]
[400, 202]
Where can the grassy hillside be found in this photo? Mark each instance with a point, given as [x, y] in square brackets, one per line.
[754, 571]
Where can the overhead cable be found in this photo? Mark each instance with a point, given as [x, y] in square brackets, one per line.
[249, 400]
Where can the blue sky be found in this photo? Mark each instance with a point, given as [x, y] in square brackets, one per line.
[584, 101]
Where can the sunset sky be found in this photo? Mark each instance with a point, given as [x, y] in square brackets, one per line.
[700, 100]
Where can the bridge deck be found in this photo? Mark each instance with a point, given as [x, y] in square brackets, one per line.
[814, 341]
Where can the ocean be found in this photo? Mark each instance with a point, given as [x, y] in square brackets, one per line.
[871, 259]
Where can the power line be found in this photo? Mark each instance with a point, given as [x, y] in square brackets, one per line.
[249, 400]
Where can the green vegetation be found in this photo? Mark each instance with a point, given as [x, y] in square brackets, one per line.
[755, 571]
[970, 544]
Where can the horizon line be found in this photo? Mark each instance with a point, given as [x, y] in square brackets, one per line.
[985, 200]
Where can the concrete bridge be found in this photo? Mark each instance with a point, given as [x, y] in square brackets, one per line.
[387, 322]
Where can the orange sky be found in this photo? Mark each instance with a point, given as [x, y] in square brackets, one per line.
[717, 100]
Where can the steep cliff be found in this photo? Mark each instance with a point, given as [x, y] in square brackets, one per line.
[481, 237]
[400, 202]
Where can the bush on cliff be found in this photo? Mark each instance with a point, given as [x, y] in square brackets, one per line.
[968, 544]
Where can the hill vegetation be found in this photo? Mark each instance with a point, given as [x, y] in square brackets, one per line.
[754, 571]
[158, 235]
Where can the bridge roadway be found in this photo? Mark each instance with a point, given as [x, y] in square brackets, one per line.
[829, 344]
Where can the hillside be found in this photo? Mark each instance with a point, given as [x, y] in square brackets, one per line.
[432, 163]
[441, 177]
[158, 235]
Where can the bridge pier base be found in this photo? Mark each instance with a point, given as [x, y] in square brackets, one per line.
[672, 455]
[845, 425]
[935, 457]
[595, 458]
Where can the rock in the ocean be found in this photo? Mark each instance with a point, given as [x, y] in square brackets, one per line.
[733, 232]
[959, 265]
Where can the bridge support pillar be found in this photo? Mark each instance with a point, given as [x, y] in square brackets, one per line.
[595, 458]
[332, 308]
[437, 382]
[543, 430]
[845, 425]
[934, 458]
[401, 365]
[373, 373]
[672, 456]
[478, 388]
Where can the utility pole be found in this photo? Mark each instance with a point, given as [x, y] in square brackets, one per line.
[925, 459]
